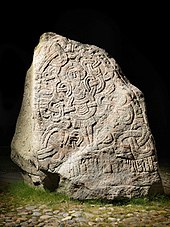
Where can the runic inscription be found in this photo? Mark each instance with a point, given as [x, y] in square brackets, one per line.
[88, 122]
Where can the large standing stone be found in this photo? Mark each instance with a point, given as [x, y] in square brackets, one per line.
[83, 126]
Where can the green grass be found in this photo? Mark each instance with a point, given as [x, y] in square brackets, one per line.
[24, 194]
[19, 193]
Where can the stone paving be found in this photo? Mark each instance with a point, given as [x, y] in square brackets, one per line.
[99, 216]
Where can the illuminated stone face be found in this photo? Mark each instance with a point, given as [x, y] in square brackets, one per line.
[83, 121]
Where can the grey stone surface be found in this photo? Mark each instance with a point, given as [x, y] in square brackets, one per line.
[83, 127]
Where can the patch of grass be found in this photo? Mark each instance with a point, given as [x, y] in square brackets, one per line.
[163, 200]
[19, 193]
[25, 194]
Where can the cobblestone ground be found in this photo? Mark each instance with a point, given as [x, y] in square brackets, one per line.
[108, 215]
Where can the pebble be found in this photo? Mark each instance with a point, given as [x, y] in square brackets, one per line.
[37, 216]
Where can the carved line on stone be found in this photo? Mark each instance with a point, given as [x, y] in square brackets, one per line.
[100, 165]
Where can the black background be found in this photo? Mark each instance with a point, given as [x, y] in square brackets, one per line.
[135, 33]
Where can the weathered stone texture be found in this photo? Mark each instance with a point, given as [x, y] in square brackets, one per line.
[83, 127]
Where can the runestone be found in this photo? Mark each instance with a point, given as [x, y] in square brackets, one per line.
[83, 127]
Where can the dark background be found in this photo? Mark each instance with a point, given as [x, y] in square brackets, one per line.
[135, 34]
